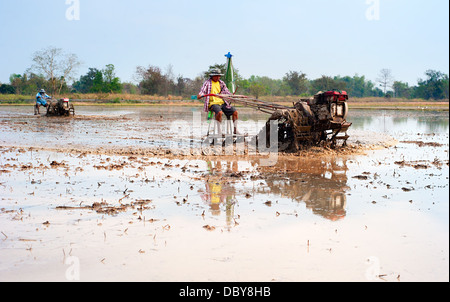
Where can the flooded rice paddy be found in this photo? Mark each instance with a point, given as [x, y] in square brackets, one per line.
[102, 197]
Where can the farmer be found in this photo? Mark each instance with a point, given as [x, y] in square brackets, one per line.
[219, 106]
[41, 100]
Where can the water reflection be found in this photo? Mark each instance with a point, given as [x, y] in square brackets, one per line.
[320, 184]
[388, 121]
[219, 192]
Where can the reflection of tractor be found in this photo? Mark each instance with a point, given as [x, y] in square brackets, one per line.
[320, 184]
[60, 107]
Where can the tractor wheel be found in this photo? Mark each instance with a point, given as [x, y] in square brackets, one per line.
[50, 110]
[72, 109]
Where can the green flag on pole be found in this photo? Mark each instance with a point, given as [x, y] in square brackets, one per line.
[229, 74]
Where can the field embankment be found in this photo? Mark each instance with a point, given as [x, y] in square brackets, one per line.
[137, 99]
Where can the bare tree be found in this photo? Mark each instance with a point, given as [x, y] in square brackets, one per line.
[169, 82]
[385, 79]
[56, 65]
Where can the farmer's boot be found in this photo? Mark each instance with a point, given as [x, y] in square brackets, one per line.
[36, 110]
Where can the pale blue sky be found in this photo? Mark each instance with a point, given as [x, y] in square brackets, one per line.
[267, 38]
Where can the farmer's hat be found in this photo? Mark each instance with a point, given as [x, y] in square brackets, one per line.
[215, 72]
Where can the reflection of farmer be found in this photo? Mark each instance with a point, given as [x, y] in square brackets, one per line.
[41, 100]
[219, 192]
[214, 188]
[217, 105]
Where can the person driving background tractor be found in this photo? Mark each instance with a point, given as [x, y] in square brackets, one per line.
[41, 100]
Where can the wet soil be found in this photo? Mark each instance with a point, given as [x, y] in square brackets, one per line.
[103, 196]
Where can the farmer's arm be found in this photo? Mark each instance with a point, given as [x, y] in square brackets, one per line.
[224, 88]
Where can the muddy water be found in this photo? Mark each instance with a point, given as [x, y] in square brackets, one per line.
[72, 208]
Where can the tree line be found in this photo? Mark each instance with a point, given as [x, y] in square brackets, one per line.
[53, 69]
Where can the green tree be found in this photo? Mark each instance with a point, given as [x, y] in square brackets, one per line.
[111, 83]
[401, 90]
[97, 83]
[356, 86]
[326, 83]
[86, 82]
[270, 86]
[297, 82]
[435, 86]
[377, 92]
[16, 81]
[242, 86]
[29, 83]
[7, 89]
[257, 89]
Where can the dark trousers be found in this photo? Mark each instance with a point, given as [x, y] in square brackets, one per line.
[227, 111]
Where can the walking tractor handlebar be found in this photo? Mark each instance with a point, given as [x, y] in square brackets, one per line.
[260, 105]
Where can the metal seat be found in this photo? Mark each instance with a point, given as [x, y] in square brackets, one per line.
[213, 131]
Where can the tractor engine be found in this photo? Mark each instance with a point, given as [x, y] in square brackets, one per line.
[312, 121]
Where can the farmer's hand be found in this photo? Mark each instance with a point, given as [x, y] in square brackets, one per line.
[199, 97]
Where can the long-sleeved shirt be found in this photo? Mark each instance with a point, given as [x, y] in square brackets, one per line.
[206, 89]
[42, 98]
